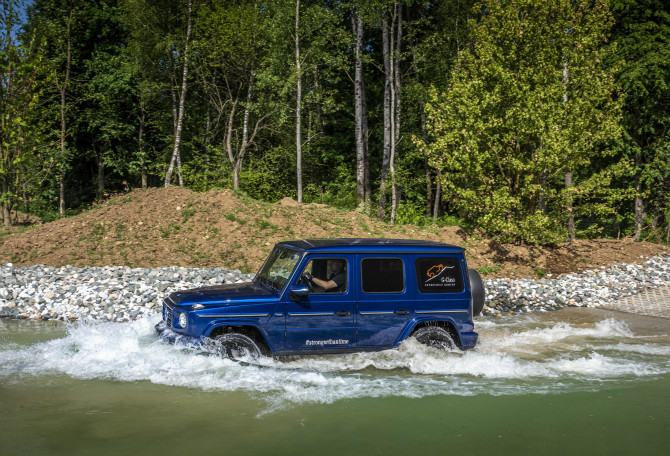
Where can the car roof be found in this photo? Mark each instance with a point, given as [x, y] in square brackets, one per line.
[356, 245]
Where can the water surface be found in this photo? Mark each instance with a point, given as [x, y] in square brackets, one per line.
[578, 380]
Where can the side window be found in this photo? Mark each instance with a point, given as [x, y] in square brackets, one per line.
[325, 275]
[382, 275]
[439, 275]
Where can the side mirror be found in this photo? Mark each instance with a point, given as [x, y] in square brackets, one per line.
[297, 291]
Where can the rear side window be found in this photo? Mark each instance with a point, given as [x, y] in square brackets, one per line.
[439, 275]
[382, 275]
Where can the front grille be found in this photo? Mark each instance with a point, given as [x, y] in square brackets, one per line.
[167, 314]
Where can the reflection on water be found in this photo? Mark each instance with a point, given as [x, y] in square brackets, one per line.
[548, 353]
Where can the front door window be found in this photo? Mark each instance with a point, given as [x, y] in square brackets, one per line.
[325, 317]
[325, 275]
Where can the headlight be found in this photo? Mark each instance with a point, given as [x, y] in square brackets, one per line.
[183, 320]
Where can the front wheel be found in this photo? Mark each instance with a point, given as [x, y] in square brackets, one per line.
[237, 346]
[435, 337]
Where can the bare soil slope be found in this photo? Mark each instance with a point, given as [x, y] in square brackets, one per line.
[175, 226]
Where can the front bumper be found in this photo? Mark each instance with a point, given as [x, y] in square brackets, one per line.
[172, 337]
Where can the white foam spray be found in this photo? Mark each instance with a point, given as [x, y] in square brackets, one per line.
[522, 356]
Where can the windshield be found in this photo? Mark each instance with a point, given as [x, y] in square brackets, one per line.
[278, 267]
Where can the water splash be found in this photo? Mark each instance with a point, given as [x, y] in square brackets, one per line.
[512, 357]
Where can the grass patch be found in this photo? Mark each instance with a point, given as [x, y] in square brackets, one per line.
[233, 218]
[540, 272]
[486, 270]
[170, 230]
[264, 225]
[96, 234]
[187, 214]
[120, 232]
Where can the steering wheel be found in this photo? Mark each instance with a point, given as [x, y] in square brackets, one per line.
[306, 281]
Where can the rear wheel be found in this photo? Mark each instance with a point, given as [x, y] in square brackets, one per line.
[435, 337]
[237, 346]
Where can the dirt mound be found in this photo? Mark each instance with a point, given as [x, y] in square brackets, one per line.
[175, 226]
[290, 202]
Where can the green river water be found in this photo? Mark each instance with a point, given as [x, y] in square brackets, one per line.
[572, 382]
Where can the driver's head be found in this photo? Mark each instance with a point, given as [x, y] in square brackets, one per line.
[336, 266]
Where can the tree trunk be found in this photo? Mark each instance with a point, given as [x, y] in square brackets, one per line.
[63, 92]
[388, 138]
[236, 158]
[6, 219]
[542, 199]
[639, 216]
[229, 145]
[359, 133]
[298, 102]
[24, 191]
[319, 103]
[568, 205]
[395, 119]
[438, 195]
[366, 150]
[639, 203]
[237, 167]
[100, 193]
[206, 145]
[61, 194]
[542, 204]
[426, 164]
[182, 100]
[140, 145]
[568, 175]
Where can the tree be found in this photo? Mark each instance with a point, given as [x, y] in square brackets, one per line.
[504, 128]
[641, 51]
[21, 67]
[363, 189]
[392, 28]
[176, 157]
[230, 48]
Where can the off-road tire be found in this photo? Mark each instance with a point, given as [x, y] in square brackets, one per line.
[237, 346]
[435, 337]
[477, 291]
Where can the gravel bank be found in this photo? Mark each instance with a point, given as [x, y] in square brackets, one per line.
[118, 293]
[110, 293]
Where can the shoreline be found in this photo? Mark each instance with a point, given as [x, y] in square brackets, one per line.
[121, 293]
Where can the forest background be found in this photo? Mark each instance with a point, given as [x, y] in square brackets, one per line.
[534, 121]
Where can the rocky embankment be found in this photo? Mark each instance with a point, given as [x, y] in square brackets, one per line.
[591, 288]
[118, 293]
[110, 293]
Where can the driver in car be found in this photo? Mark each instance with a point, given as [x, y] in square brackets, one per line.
[336, 281]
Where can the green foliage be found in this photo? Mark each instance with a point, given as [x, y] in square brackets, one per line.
[270, 177]
[338, 192]
[641, 57]
[530, 104]
[483, 108]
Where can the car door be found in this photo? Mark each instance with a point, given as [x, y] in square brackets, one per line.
[384, 305]
[323, 319]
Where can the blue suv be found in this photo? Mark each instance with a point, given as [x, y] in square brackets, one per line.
[335, 296]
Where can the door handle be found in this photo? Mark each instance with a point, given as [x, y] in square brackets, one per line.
[402, 312]
[342, 313]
